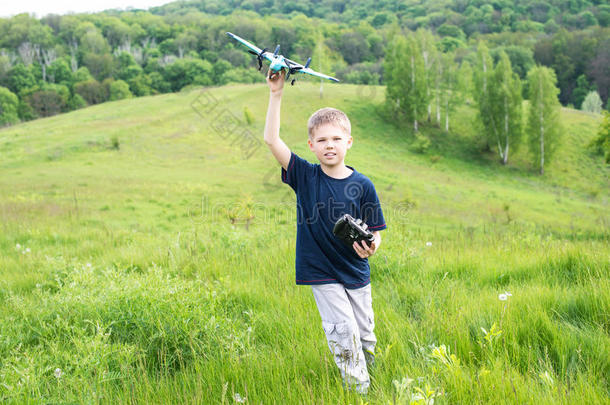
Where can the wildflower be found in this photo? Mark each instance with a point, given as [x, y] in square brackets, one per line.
[502, 297]
[27, 250]
[89, 265]
[238, 398]
[18, 246]
[58, 373]
[428, 243]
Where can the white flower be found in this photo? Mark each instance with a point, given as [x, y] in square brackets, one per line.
[18, 246]
[58, 373]
[428, 243]
[238, 398]
[27, 250]
[38, 285]
[502, 297]
[88, 264]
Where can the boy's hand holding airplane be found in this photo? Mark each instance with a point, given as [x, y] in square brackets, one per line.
[275, 80]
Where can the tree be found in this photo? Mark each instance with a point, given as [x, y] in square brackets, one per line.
[9, 104]
[451, 93]
[48, 100]
[432, 69]
[59, 72]
[507, 105]
[406, 95]
[188, 71]
[20, 77]
[601, 144]
[543, 126]
[592, 103]
[580, 92]
[482, 94]
[119, 90]
[91, 91]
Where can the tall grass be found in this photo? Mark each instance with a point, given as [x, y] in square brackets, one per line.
[123, 280]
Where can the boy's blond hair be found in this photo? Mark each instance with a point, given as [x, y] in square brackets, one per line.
[328, 115]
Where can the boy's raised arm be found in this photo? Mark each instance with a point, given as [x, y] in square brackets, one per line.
[272, 124]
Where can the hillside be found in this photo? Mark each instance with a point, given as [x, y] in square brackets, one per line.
[119, 265]
[165, 144]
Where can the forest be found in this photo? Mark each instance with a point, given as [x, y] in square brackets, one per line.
[60, 63]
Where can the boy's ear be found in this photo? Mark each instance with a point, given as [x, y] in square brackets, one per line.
[309, 143]
[350, 140]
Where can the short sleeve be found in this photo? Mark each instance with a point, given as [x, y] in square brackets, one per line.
[296, 171]
[372, 213]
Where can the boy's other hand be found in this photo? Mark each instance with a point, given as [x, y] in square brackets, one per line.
[363, 250]
[275, 80]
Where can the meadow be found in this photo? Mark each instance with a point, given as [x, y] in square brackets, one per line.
[147, 256]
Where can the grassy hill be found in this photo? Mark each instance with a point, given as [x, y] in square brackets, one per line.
[137, 287]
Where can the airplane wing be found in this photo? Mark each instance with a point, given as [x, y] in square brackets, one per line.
[243, 41]
[266, 55]
[314, 73]
[294, 64]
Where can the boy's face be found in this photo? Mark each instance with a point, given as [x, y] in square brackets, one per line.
[330, 144]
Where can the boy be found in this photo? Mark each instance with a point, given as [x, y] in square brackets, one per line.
[339, 275]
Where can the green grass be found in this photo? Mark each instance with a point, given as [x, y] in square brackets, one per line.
[138, 288]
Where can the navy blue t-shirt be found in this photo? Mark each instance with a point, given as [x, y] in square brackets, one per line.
[321, 258]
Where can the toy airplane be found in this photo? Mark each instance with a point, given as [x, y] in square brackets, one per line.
[279, 62]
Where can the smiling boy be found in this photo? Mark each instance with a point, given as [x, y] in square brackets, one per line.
[339, 275]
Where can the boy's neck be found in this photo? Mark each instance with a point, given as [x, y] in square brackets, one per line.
[338, 171]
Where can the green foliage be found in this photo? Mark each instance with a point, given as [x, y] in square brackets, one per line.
[406, 82]
[20, 78]
[506, 101]
[115, 143]
[119, 90]
[421, 144]
[140, 85]
[9, 104]
[580, 92]
[59, 72]
[601, 144]
[76, 101]
[91, 91]
[158, 83]
[82, 75]
[248, 116]
[241, 75]
[188, 71]
[521, 59]
[592, 103]
[543, 126]
[47, 100]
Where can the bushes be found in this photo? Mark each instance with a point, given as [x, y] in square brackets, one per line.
[47, 100]
[9, 104]
[91, 91]
[188, 71]
[119, 90]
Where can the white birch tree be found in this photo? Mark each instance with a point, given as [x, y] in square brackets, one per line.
[508, 105]
[404, 70]
[543, 125]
